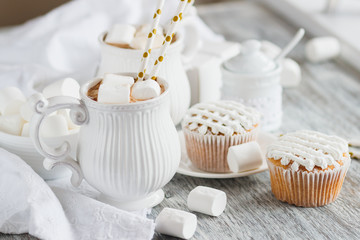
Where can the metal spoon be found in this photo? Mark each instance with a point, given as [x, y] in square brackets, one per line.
[290, 46]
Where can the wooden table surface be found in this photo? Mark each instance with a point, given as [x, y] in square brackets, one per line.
[327, 100]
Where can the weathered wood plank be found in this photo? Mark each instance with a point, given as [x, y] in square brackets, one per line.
[327, 100]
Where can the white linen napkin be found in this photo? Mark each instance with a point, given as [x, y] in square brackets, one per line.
[29, 205]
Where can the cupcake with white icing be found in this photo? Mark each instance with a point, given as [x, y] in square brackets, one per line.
[211, 128]
[307, 168]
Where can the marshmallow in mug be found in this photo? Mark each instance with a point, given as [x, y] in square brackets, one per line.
[127, 35]
[114, 95]
[118, 89]
[115, 89]
[176, 223]
[139, 42]
[146, 89]
[115, 79]
[244, 157]
[141, 37]
[207, 200]
[120, 34]
[146, 28]
[322, 48]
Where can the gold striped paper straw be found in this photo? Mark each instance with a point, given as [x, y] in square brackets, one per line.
[188, 6]
[150, 40]
[168, 38]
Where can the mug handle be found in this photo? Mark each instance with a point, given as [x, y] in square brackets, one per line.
[192, 40]
[60, 155]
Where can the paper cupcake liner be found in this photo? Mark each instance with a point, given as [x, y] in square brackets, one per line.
[307, 189]
[209, 152]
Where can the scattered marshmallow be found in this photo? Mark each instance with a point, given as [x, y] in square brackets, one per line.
[66, 114]
[291, 73]
[115, 89]
[74, 130]
[34, 99]
[65, 87]
[54, 126]
[8, 95]
[207, 200]
[11, 124]
[120, 34]
[355, 154]
[143, 90]
[13, 107]
[146, 28]
[322, 48]
[270, 49]
[26, 111]
[244, 157]
[176, 223]
[25, 132]
[354, 142]
[139, 42]
[18, 113]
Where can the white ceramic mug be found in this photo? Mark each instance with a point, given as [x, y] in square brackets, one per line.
[128, 152]
[116, 59]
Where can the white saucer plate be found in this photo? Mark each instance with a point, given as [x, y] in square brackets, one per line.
[187, 168]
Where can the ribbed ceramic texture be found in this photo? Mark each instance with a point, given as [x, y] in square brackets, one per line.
[307, 189]
[209, 152]
[130, 152]
[117, 60]
[25, 149]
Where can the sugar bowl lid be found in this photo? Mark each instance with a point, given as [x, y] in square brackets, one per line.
[250, 60]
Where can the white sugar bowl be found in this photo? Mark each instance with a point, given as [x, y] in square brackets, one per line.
[254, 80]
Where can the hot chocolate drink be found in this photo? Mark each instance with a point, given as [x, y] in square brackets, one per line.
[118, 89]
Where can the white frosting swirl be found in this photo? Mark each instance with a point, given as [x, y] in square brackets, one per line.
[226, 117]
[308, 149]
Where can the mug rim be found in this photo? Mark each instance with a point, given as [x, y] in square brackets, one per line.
[139, 104]
[140, 51]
